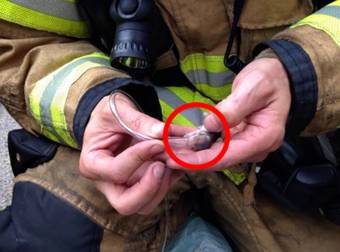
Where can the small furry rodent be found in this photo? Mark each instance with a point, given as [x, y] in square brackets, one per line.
[201, 139]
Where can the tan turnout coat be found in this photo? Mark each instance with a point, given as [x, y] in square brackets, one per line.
[28, 55]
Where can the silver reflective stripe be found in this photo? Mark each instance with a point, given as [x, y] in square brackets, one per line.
[57, 8]
[212, 79]
[332, 10]
[193, 115]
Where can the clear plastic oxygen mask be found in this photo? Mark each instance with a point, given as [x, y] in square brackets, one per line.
[196, 140]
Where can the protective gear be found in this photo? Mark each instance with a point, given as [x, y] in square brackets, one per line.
[61, 17]
[326, 116]
[31, 59]
[132, 47]
[303, 175]
[47, 98]
[28, 151]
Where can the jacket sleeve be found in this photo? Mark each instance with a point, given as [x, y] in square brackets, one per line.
[310, 52]
[50, 84]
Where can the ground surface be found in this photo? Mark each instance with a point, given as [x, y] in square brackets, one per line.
[6, 175]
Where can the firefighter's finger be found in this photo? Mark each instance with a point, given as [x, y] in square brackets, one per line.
[102, 165]
[129, 200]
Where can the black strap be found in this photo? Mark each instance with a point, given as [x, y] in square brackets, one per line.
[171, 76]
[318, 4]
[233, 62]
[102, 26]
[238, 6]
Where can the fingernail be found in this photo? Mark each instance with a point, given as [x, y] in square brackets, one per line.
[159, 171]
[205, 114]
[157, 148]
[157, 129]
[212, 123]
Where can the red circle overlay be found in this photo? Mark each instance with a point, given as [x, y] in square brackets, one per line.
[187, 165]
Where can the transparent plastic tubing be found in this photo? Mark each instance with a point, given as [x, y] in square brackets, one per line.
[197, 140]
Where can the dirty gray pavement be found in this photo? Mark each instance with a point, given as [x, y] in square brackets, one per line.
[6, 175]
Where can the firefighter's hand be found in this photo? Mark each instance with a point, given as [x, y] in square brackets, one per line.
[256, 110]
[124, 170]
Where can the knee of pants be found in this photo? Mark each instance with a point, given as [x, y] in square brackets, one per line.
[198, 235]
[39, 221]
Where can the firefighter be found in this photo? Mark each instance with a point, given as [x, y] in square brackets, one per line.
[102, 190]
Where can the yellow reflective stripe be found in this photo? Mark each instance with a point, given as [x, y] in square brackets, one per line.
[199, 61]
[59, 102]
[208, 74]
[327, 19]
[15, 13]
[35, 96]
[48, 98]
[34, 104]
[179, 119]
[328, 24]
[236, 178]
[215, 93]
[335, 3]
[187, 95]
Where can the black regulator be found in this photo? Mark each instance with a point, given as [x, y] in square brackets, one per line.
[132, 47]
[133, 32]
